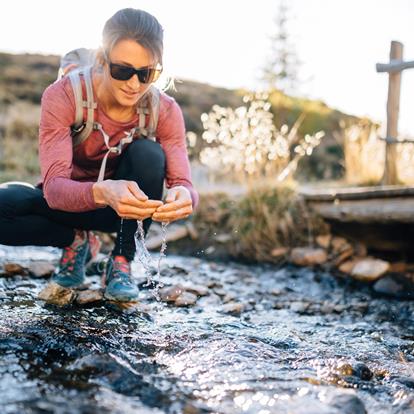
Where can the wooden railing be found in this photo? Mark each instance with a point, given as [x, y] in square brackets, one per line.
[394, 68]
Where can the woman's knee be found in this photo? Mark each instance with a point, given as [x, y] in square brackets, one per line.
[17, 199]
[145, 153]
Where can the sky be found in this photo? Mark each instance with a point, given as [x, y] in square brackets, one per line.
[226, 42]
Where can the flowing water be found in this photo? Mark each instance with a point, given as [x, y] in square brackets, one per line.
[301, 341]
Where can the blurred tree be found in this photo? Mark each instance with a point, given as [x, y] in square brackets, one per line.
[281, 69]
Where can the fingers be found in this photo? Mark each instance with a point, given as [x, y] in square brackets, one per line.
[172, 215]
[172, 206]
[172, 195]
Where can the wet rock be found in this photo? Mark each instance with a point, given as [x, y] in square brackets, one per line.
[407, 381]
[171, 293]
[299, 307]
[327, 308]
[324, 240]
[367, 270]
[57, 295]
[223, 238]
[279, 252]
[198, 290]
[361, 371]
[11, 269]
[41, 269]
[308, 256]
[89, 296]
[360, 249]
[348, 404]
[233, 308]
[229, 298]
[276, 292]
[395, 285]
[186, 299]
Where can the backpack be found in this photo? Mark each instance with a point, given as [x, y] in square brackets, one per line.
[84, 60]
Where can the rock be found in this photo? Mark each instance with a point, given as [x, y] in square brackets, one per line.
[57, 295]
[11, 269]
[41, 269]
[229, 298]
[407, 381]
[222, 238]
[324, 240]
[89, 296]
[186, 299]
[395, 285]
[233, 308]
[307, 256]
[369, 269]
[339, 244]
[299, 307]
[348, 266]
[342, 257]
[348, 404]
[171, 293]
[198, 290]
[279, 252]
[276, 292]
[361, 371]
[398, 267]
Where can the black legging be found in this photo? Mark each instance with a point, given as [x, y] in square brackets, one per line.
[26, 219]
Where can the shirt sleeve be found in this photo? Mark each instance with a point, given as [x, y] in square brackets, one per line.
[171, 135]
[56, 152]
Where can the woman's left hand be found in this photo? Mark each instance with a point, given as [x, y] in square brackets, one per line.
[177, 205]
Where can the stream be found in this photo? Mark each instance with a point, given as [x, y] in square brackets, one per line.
[262, 339]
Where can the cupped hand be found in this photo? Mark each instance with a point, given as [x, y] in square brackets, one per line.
[177, 205]
[126, 198]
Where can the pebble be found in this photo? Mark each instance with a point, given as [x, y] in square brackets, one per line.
[171, 293]
[299, 307]
[89, 296]
[348, 404]
[198, 290]
[11, 269]
[308, 256]
[233, 308]
[395, 285]
[57, 295]
[324, 240]
[369, 269]
[186, 299]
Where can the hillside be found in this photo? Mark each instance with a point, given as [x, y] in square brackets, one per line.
[24, 77]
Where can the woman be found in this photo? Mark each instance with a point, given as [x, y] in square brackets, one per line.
[70, 202]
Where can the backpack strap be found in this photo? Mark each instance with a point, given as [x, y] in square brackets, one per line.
[149, 106]
[82, 129]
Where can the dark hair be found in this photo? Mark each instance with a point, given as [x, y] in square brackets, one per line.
[133, 24]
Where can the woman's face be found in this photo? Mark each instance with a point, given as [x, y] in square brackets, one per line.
[127, 52]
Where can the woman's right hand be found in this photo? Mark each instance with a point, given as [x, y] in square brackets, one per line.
[126, 198]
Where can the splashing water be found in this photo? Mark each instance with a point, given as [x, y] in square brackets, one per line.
[145, 258]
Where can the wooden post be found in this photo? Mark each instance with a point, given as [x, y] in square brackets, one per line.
[393, 106]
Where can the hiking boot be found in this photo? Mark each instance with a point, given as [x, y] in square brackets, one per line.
[117, 279]
[71, 271]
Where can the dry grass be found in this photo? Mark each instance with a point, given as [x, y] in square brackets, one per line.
[365, 156]
[19, 142]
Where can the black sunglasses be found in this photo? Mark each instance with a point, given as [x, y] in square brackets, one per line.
[145, 75]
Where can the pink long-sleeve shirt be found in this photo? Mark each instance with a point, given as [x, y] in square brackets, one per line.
[68, 174]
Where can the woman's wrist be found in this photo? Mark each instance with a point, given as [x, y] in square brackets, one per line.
[98, 194]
